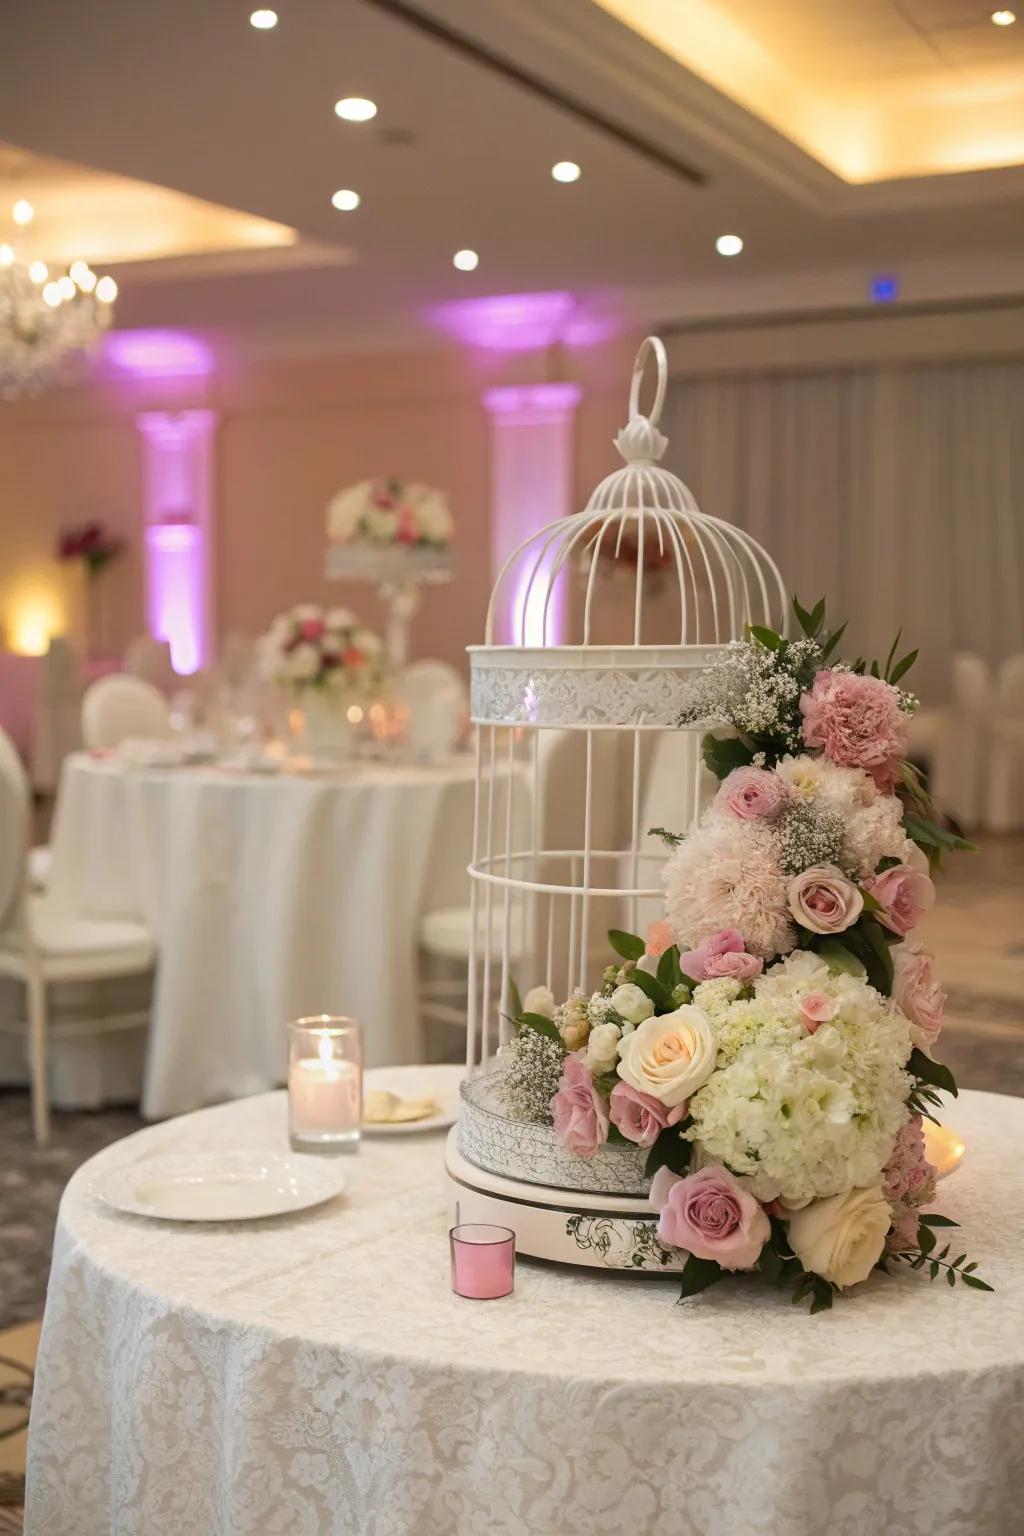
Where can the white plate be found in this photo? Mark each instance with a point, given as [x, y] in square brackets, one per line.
[437, 1082]
[219, 1186]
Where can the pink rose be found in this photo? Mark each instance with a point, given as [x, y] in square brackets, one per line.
[752, 794]
[817, 1008]
[640, 1117]
[857, 722]
[659, 938]
[710, 1215]
[905, 895]
[580, 1113]
[311, 630]
[917, 993]
[720, 954]
[824, 900]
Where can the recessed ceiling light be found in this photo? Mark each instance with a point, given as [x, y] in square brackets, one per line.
[1004, 18]
[263, 21]
[728, 245]
[39, 271]
[566, 170]
[356, 109]
[466, 261]
[345, 201]
[23, 213]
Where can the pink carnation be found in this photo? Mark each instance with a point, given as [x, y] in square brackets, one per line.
[917, 993]
[580, 1113]
[908, 1176]
[752, 794]
[710, 1215]
[857, 722]
[905, 895]
[640, 1117]
[721, 954]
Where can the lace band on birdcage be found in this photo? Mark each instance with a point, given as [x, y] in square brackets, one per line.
[620, 696]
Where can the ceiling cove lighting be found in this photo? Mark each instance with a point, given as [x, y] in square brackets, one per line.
[728, 245]
[345, 200]
[1004, 18]
[466, 261]
[263, 20]
[355, 109]
[566, 170]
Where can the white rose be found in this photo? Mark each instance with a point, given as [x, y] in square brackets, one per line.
[381, 525]
[631, 1003]
[303, 663]
[540, 1000]
[345, 510]
[602, 1049]
[842, 1238]
[434, 520]
[339, 618]
[669, 1057]
[366, 640]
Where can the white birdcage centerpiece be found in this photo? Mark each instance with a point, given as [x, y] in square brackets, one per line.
[566, 733]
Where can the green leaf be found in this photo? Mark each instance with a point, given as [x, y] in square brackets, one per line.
[673, 839]
[928, 834]
[927, 1071]
[803, 617]
[876, 940]
[822, 1295]
[889, 862]
[975, 1283]
[765, 636]
[629, 945]
[838, 958]
[515, 1002]
[698, 1274]
[933, 1219]
[832, 641]
[892, 651]
[871, 903]
[722, 756]
[951, 1276]
[670, 1151]
[537, 1022]
[903, 667]
[925, 1239]
[770, 1264]
[669, 973]
[654, 989]
[817, 617]
[933, 1269]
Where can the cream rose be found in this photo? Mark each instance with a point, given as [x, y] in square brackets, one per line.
[842, 1238]
[602, 1049]
[669, 1057]
[631, 1003]
[540, 1000]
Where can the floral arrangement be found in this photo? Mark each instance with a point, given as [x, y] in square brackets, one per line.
[323, 648]
[90, 542]
[386, 511]
[771, 1041]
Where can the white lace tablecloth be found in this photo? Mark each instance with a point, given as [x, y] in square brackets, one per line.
[315, 1376]
[269, 897]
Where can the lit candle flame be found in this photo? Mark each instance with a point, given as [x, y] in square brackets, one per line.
[326, 1049]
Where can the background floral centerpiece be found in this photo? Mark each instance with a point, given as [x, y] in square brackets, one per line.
[326, 660]
[386, 512]
[94, 546]
[772, 1040]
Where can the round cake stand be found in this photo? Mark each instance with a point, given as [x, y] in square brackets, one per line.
[565, 1226]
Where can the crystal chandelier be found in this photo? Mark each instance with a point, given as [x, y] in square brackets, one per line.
[48, 322]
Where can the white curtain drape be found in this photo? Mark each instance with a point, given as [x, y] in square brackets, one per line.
[897, 491]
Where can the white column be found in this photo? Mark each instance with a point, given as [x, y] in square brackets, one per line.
[178, 509]
[531, 486]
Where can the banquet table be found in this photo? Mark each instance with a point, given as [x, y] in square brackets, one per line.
[269, 896]
[315, 1375]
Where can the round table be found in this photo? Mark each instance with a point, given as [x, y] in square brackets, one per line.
[316, 1376]
[269, 896]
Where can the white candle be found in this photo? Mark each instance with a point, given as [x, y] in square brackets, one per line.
[324, 1094]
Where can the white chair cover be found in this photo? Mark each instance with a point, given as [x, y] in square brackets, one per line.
[1005, 807]
[436, 699]
[57, 728]
[962, 755]
[118, 707]
[150, 659]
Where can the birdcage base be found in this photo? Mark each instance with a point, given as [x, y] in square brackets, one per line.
[598, 1231]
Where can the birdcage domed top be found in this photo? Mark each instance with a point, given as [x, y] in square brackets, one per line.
[676, 584]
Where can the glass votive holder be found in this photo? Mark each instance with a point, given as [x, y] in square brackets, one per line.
[483, 1261]
[325, 1084]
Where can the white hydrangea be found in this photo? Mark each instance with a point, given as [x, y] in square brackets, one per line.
[874, 832]
[804, 1115]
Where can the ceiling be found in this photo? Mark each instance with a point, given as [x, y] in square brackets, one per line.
[477, 99]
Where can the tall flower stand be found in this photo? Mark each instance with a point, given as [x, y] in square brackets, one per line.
[399, 572]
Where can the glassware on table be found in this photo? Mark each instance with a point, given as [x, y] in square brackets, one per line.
[483, 1261]
[325, 1084]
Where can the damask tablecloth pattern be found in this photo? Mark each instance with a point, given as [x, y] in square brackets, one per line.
[315, 1376]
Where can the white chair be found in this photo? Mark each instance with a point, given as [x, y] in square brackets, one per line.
[42, 945]
[1004, 810]
[436, 703]
[57, 728]
[150, 659]
[118, 707]
[962, 756]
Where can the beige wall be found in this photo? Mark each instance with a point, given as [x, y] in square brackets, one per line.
[289, 434]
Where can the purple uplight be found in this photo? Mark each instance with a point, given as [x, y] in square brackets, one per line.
[172, 610]
[508, 322]
[158, 354]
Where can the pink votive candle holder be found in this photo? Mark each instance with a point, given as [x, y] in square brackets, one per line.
[483, 1261]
